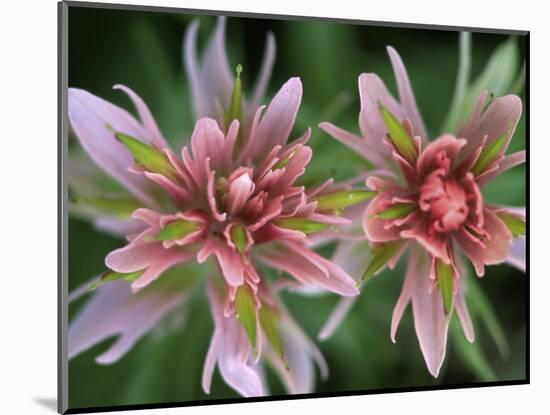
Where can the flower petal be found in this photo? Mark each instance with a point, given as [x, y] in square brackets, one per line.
[264, 74]
[430, 322]
[496, 246]
[276, 124]
[500, 117]
[406, 95]
[89, 116]
[405, 295]
[114, 310]
[517, 253]
[146, 117]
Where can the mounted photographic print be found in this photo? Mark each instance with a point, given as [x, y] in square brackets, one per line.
[261, 207]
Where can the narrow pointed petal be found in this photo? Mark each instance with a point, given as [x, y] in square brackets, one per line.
[146, 117]
[430, 322]
[216, 76]
[462, 312]
[210, 361]
[496, 247]
[508, 162]
[231, 263]
[337, 316]
[277, 122]
[310, 268]
[114, 310]
[406, 95]
[499, 118]
[90, 117]
[264, 75]
[231, 348]
[517, 253]
[373, 92]
[405, 295]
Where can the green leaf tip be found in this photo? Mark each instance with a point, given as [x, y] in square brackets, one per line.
[270, 325]
[111, 276]
[239, 238]
[147, 156]
[381, 255]
[236, 106]
[342, 199]
[514, 223]
[444, 275]
[489, 153]
[397, 211]
[282, 163]
[397, 134]
[177, 230]
[301, 224]
[246, 312]
[120, 206]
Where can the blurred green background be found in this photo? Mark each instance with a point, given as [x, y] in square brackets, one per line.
[144, 51]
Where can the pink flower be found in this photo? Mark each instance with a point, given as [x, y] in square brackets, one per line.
[230, 200]
[429, 201]
[211, 78]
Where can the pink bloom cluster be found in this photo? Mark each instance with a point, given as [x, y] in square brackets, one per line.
[429, 201]
[232, 200]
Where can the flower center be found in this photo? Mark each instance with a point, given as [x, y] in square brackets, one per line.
[445, 200]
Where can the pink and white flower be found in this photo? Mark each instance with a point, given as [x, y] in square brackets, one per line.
[429, 202]
[228, 199]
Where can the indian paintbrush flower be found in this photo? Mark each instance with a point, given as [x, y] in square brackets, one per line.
[228, 199]
[429, 202]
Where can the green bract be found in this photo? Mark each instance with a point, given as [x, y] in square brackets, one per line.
[381, 255]
[399, 210]
[177, 230]
[397, 134]
[444, 274]
[150, 158]
[246, 312]
[300, 224]
[342, 199]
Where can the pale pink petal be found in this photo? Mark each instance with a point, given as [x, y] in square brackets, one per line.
[509, 161]
[496, 246]
[176, 192]
[217, 77]
[299, 354]
[211, 360]
[406, 95]
[153, 258]
[193, 69]
[355, 143]
[231, 263]
[353, 258]
[373, 92]
[262, 81]
[114, 310]
[462, 311]
[211, 80]
[517, 253]
[337, 316]
[309, 268]
[446, 144]
[90, 117]
[500, 117]
[277, 122]
[240, 190]
[405, 295]
[146, 117]
[231, 349]
[430, 322]
[375, 228]
[117, 227]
